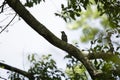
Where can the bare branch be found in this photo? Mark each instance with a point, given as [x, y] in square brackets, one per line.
[2, 6]
[2, 78]
[8, 24]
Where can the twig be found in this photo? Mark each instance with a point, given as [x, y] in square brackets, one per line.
[8, 24]
[2, 6]
[2, 78]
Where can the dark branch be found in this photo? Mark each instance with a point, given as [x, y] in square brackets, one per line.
[8, 24]
[10, 68]
[2, 6]
[105, 56]
[2, 78]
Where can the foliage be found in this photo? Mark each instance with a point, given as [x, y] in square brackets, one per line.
[41, 68]
[109, 55]
[30, 3]
[105, 53]
[86, 21]
[44, 68]
[75, 70]
[88, 33]
[72, 9]
[82, 12]
[109, 7]
[15, 76]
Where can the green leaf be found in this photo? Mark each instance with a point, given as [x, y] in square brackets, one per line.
[99, 41]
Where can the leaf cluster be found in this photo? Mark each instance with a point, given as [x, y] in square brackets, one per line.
[44, 68]
[106, 55]
[30, 3]
[15, 76]
[75, 70]
[109, 7]
[73, 9]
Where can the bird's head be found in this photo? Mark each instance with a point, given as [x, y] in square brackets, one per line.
[62, 32]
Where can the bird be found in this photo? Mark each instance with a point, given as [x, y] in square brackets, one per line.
[64, 36]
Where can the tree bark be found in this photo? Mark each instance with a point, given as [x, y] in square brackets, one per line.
[49, 36]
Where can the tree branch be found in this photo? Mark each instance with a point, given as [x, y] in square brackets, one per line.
[49, 36]
[8, 24]
[2, 6]
[24, 73]
[105, 56]
[3, 78]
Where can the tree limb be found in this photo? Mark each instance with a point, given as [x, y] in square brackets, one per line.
[8, 24]
[49, 36]
[24, 73]
[105, 56]
[2, 6]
